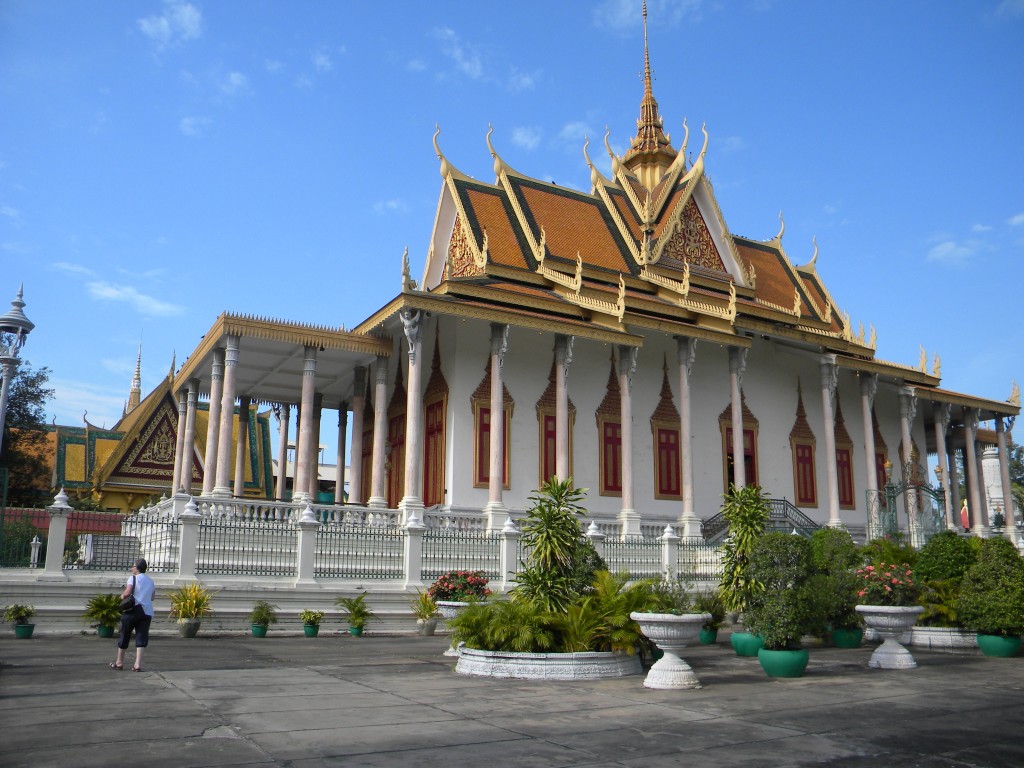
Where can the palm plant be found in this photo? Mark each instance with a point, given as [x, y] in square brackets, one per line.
[263, 614]
[746, 510]
[356, 609]
[103, 610]
[191, 601]
[519, 626]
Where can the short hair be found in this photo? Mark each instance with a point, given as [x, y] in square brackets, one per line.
[140, 565]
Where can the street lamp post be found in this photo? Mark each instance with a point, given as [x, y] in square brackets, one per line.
[14, 329]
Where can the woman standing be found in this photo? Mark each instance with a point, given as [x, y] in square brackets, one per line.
[138, 618]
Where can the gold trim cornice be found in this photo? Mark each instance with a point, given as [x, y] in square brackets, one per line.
[1001, 407]
[895, 370]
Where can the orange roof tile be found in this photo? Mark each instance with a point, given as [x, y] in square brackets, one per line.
[775, 281]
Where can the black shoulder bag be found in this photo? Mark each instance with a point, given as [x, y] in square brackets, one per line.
[128, 603]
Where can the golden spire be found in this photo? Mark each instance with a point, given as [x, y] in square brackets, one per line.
[650, 141]
[135, 394]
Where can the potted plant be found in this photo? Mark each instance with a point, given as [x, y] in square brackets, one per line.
[746, 510]
[454, 591]
[103, 612]
[710, 601]
[19, 616]
[992, 598]
[670, 623]
[425, 610]
[940, 568]
[190, 603]
[888, 595]
[357, 611]
[261, 617]
[833, 587]
[311, 622]
[782, 611]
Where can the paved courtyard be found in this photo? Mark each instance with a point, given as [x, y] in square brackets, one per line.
[395, 701]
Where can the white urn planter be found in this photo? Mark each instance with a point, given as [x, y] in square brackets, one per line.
[449, 609]
[890, 621]
[671, 633]
[546, 666]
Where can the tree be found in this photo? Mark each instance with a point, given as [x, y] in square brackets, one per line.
[24, 444]
[1015, 457]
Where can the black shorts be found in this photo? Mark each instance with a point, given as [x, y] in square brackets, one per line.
[136, 619]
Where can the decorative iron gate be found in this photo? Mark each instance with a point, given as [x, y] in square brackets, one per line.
[924, 507]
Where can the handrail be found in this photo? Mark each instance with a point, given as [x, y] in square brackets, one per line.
[782, 514]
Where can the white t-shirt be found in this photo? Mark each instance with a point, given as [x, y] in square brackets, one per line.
[145, 589]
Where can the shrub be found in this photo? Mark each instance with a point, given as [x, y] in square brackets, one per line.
[19, 614]
[783, 611]
[311, 618]
[191, 601]
[946, 555]
[888, 549]
[460, 586]
[263, 614]
[992, 591]
[710, 601]
[833, 587]
[103, 610]
[746, 510]
[356, 610]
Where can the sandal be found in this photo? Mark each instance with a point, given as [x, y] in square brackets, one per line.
[136, 669]
[115, 665]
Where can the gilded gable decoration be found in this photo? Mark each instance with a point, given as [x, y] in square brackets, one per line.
[559, 278]
[691, 241]
[462, 260]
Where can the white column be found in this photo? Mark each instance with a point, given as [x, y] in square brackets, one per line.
[179, 442]
[979, 525]
[222, 487]
[563, 359]
[954, 486]
[213, 427]
[411, 504]
[689, 523]
[829, 382]
[241, 446]
[908, 412]
[339, 474]
[188, 450]
[737, 366]
[495, 511]
[629, 520]
[300, 487]
[355, 462]
[941, 413]
[983, 512]
[378, 488]
[313, 448]
[868, 388]
[1004, 478]
[282, 450]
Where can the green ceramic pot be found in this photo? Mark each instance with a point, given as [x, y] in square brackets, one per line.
[102, 630]
[311, 630]
[783, 663]
[746, 644]
[355, 631]
[259, 630]
[999, 646]
[847, 638]
[24, 631]
[708, 636]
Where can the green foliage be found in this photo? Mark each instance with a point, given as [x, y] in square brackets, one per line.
[263, 614]
[16, 543]
[460, 586]
[832, 588]
[191, 601]
[311, 618]
[671, 597]
[103, 609]
[505, 625]
[746, 510]
[710, 601]
[946, 555]
[19, 614]
[423, 605]
[888, 584]
[888, 549]
[992, 591]
[561, 562]
[24, 443]
[614, 597]
[939, 597]
[783, 610]
[356, 609]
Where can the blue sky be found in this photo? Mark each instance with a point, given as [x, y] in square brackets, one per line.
[161, 162]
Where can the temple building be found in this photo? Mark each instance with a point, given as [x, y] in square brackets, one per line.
[624, 337]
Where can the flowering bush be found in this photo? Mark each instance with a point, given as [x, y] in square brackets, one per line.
[891, 584]
[460, 586]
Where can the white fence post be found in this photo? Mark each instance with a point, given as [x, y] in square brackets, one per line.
[670, 553]
[59, 510]
[308, 527]
[413, 554]
[188, 538]
[509, 558]
[596, 538]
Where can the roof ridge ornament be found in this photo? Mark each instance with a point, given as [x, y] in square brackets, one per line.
[499, 164]
[782, 229]
[445, 166]
[1014, 398]
[408, 284]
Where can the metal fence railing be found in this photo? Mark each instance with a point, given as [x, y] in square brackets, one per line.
[699, 561]
[640, 557]
[247, 548]
[364, 552]
[450, 549]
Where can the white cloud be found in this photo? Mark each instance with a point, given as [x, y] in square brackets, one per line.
[527, 138]
[981, 228]
[465, 56]
[234, 83]
[389, 206]
[273, 66]
[575, 132]
[179, 22]
[729, 144]
[193, 126]
[952, 252]
[9, 212]
[416, 65]
[1011, 9]
[521, 81]
[85, 397]
[830, 209]
[322, 62]
[143, 304]
[73, 269]
[623, 16]
[1016, 221]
